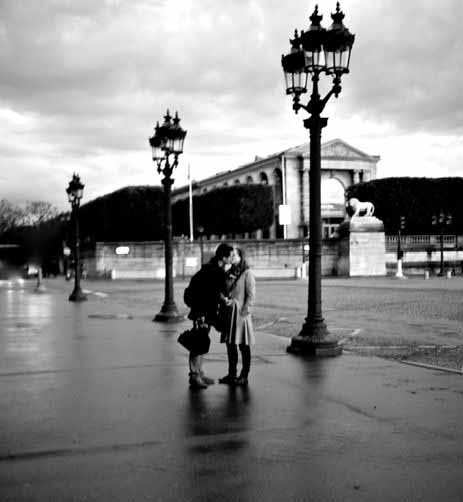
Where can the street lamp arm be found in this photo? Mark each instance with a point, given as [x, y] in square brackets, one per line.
[336, 90]
[297, 105]
[315, 106]
[169, 167]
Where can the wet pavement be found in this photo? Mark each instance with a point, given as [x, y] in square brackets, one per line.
[94, 406]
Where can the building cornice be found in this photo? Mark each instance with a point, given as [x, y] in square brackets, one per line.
[297, 152]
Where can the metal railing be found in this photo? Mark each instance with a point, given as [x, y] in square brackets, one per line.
[424, 242]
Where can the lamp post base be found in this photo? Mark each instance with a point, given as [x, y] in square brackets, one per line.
[314, 340]
[169, 313]
[77, 296]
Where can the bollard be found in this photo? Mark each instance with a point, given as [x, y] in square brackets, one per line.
[448, 274]
[112, 274]
[426, 274]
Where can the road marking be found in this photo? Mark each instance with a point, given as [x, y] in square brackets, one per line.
[21, 348]
[409, 346]
[110, 316]
[96, 293]
[432, 367]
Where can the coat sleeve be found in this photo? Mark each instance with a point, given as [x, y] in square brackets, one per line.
[249, 289]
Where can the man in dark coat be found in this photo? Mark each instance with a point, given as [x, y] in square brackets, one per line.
[203, 296]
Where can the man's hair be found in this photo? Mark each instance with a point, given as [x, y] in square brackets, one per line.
[223, 251]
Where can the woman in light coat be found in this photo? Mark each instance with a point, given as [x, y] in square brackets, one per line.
[239, 331]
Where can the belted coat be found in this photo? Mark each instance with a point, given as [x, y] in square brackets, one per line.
[239, 329]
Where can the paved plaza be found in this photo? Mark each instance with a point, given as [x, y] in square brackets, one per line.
[95, 404]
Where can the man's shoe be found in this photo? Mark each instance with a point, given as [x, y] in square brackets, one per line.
[207, 380]
[197, 383]
[228, 380]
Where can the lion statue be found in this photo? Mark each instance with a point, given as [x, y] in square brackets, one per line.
[360, 208]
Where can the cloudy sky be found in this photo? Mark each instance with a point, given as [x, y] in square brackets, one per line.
[82, 83]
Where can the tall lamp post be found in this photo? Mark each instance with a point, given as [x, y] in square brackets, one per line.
[167, 145]
[315, 52]
[75, 191]
[441, 221]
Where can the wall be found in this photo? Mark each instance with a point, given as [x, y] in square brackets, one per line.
[268, 258]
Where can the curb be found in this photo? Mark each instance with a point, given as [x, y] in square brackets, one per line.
[430, 366]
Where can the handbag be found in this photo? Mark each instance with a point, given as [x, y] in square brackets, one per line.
[196, 340]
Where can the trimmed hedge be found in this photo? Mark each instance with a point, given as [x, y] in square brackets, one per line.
[226, 210]
[129, 214]
[415, 198]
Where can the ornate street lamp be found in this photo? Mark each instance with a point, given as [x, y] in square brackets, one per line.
[75, 191]
[441, 221]
[314, 52]
[167, 145]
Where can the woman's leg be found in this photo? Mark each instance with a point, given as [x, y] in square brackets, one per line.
[246, 360]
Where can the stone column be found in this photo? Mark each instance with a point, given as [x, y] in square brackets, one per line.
[305, 199]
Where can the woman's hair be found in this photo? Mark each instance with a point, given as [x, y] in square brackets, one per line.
[243, 264]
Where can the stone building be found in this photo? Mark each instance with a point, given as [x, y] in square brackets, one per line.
[288, 172]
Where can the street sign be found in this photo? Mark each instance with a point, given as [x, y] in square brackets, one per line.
[122, 250]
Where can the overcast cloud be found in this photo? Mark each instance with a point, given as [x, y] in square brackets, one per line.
[82, 83]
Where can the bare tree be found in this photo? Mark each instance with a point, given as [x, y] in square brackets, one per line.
[10, 216]
[37, 212]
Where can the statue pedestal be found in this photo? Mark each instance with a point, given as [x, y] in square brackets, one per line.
[362, 250]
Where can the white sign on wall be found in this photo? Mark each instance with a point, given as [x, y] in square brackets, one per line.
[122, 250]
[191, 261]
[284, 214]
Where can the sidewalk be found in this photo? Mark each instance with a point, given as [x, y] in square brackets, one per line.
[95, 406]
